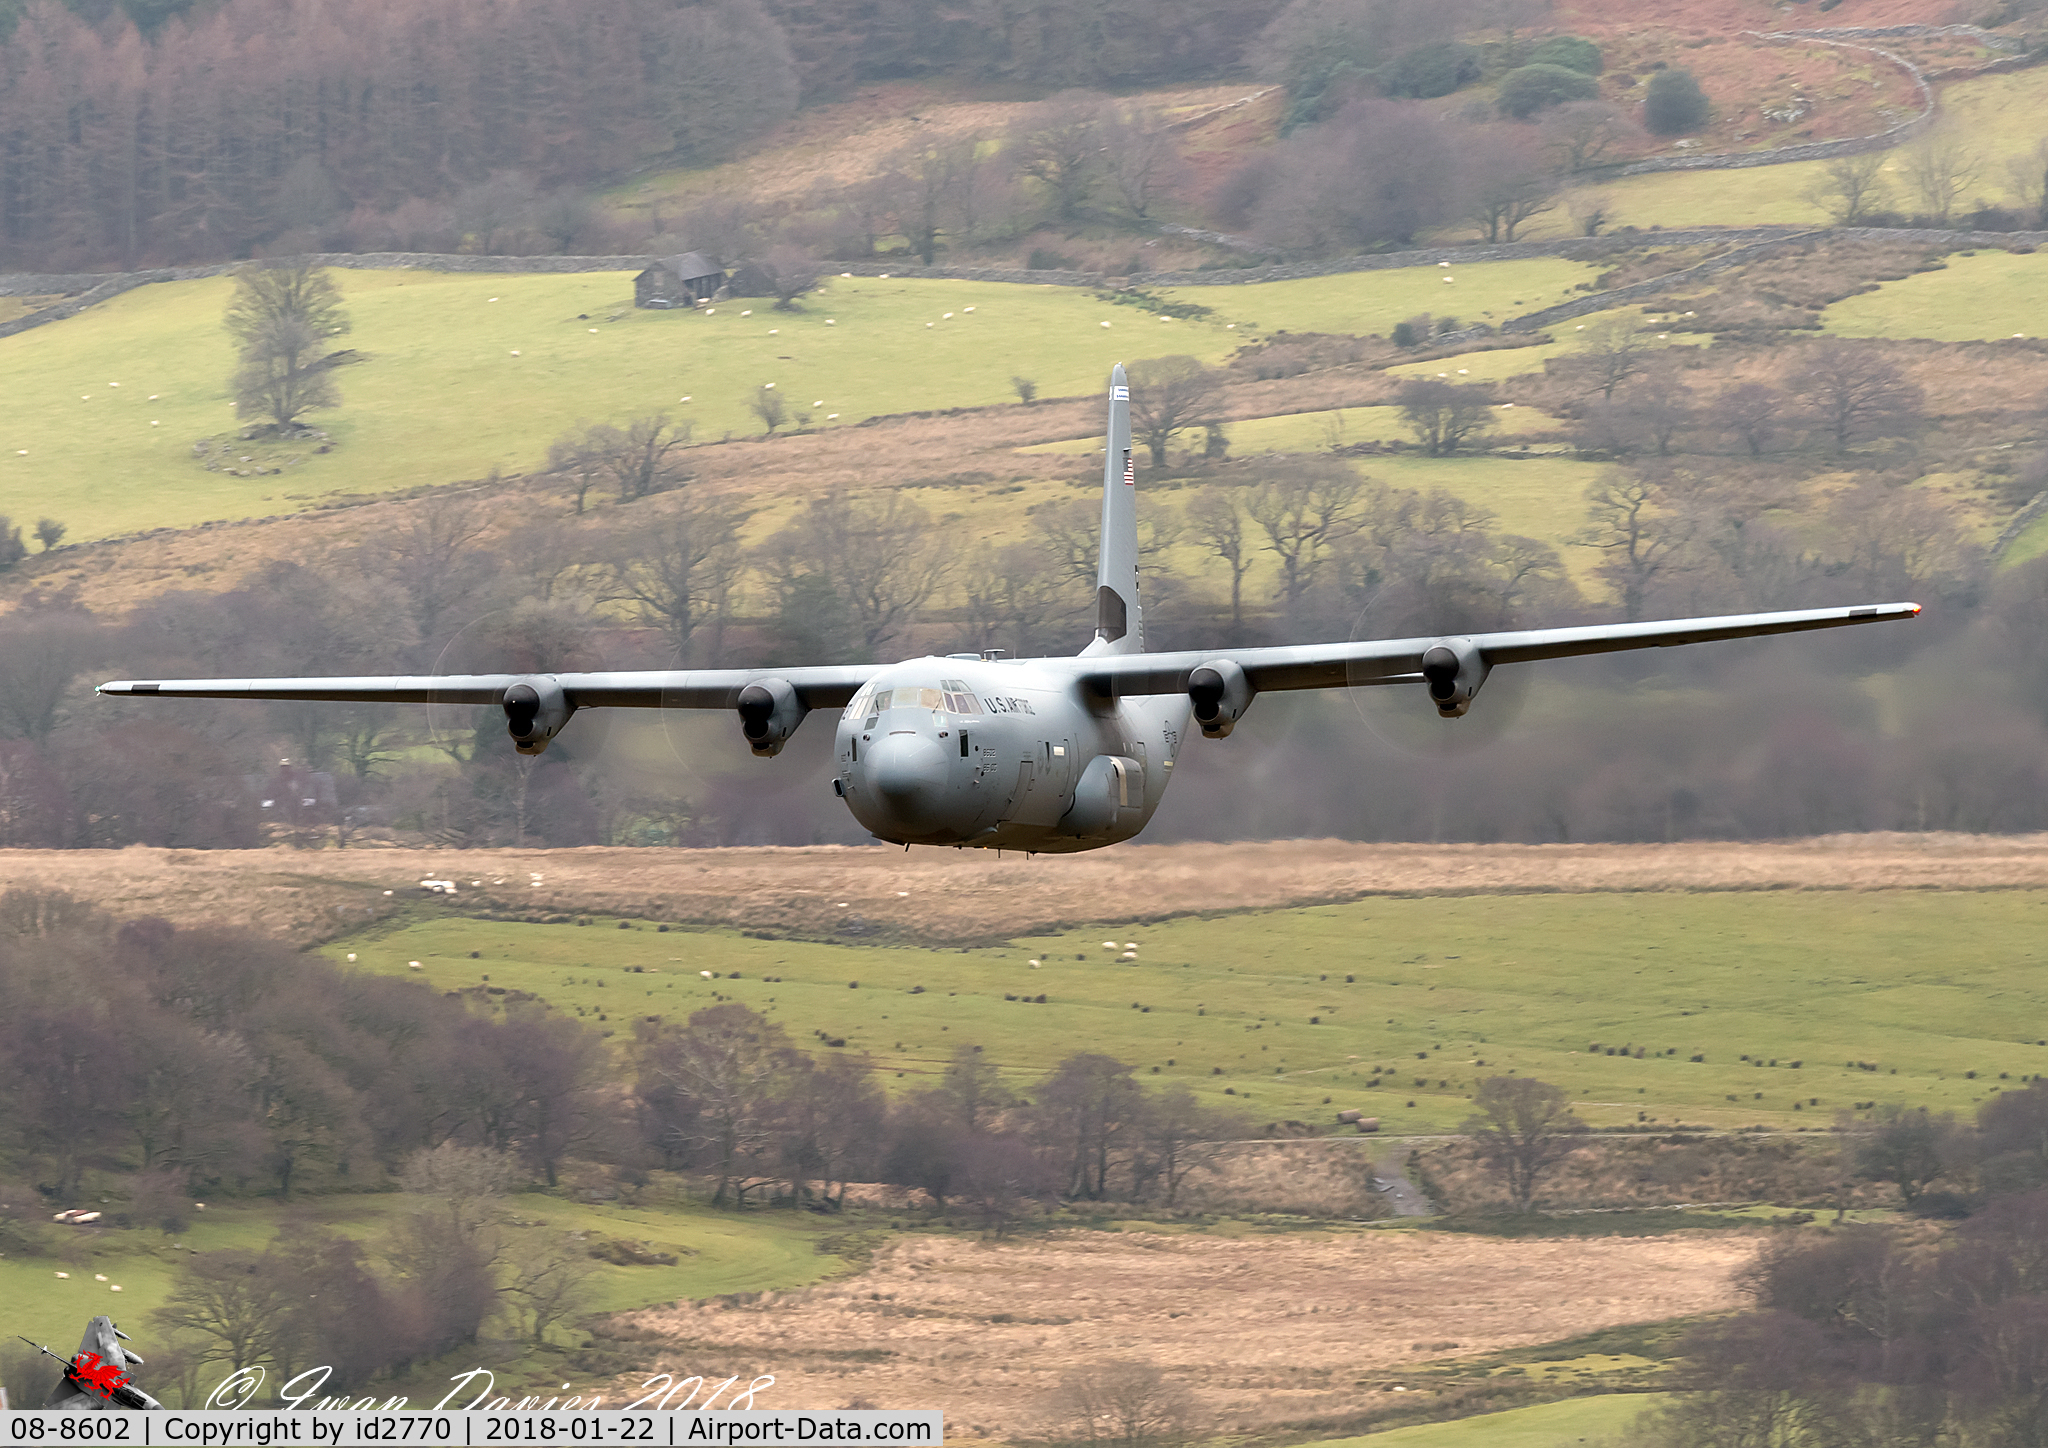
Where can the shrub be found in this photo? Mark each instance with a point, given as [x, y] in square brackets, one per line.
[1533, 88]
[1431, 70]
[1675, 103]
[1570, 51]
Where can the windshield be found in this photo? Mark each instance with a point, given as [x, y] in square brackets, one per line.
[952, 695]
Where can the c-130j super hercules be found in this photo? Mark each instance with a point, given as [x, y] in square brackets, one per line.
[1024, 754]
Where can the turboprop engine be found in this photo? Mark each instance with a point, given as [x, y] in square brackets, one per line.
[1219, 693]
[535, 711]
[769, 713]
[1455, 669]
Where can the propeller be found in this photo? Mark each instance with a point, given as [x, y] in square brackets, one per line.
[526, 639]
[1403, 716]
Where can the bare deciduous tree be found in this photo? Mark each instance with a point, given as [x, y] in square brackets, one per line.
[40, 655]
[1506, 184]
[925, 182]
[639, 458]
[1752, 412]
[1941, 167]
[791, 272]
[2029, 177]
[1218, 523]
[1522, 1127]
[1302, 513]
[1122, 1404]
[1012, 596]
[1168, 396]
[461, 1183]
[1580, 135]
[1855, 392]
[431, 554]
[548, 1279]
[677, 569]
[726, 1065]
[1850, 188]
[879, 556]
[1180, 1136]
[229, 1301]
[1639, 535]
[1144, 157]
[1614, 350]
[1059, 144]
[1444, 415]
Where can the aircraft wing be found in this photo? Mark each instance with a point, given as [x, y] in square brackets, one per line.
[1401, 661]
[831, 686]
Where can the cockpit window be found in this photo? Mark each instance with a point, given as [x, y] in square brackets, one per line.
[959, 698]
[953, 696]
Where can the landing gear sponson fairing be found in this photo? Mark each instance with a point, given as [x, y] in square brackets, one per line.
[1024, 754]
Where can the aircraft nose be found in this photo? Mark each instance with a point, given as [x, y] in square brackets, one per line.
[909, 771]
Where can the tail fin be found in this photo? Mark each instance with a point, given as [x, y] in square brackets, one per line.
[1119, 621]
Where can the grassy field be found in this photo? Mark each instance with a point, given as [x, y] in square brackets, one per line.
[1978, 296]
[1548, 1425]
[2001, 114]
[1935, 989]
[1375, 301]
[1541, 496]
[717, 1253]
[466, 374]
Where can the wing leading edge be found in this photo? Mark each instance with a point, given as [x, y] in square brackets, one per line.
[825, 687]
[1398, 661]
[1286, 666]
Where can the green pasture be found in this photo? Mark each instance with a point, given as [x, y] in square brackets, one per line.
[1541, 496]
[2031, 544]
[1977, 296]
[716, 1253]
[1256, 1008]
[2001, 115]
[1375, 302]
[1562, 1424]
[443, 396]
[470, 373]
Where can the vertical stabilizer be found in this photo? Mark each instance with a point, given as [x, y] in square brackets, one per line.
[1119, 622]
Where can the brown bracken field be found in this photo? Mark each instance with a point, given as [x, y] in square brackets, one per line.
[951, 897]
[1265, 1331]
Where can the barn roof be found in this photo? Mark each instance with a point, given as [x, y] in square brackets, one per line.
[691, 265]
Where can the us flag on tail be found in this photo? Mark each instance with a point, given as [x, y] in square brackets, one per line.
[1130, 470]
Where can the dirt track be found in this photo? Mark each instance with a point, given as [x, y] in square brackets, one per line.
[949, 896]
[1264, 1330]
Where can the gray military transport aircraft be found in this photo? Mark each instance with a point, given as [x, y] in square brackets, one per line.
[1052, 755]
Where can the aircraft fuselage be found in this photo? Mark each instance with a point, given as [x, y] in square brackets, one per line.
[1000, 754]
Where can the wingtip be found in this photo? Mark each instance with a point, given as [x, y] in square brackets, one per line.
[1116, 375]
[1914, 608]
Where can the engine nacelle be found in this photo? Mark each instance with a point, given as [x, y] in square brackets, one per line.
[1219, 693]
[1455, 669]
[769, 713]
[535, 711]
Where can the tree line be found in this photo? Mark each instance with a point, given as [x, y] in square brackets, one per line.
[211, 1061]
[213, 128]
[1874, 1334]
